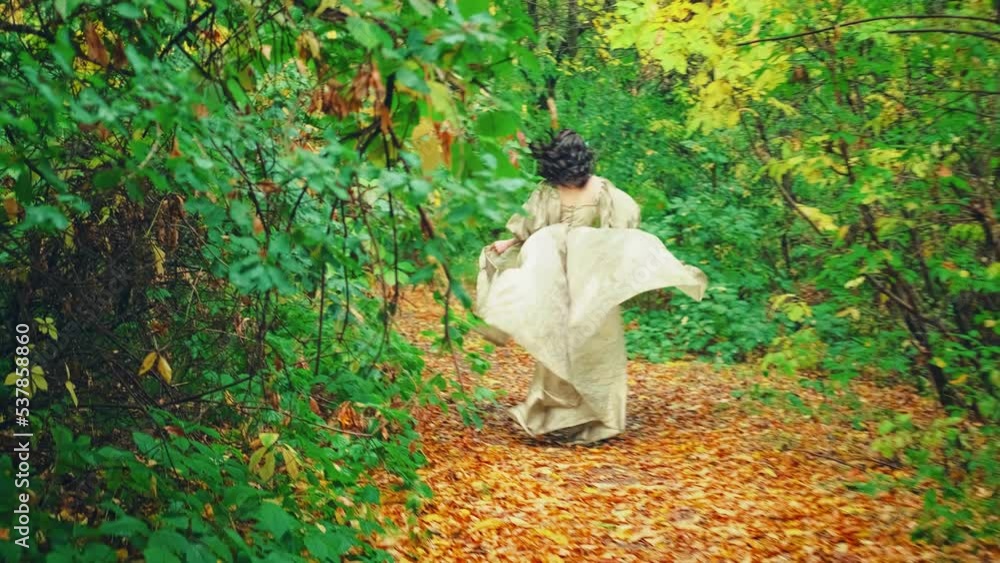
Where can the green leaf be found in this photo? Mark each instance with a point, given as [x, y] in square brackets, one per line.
[330, 545]
[469, 8]
[167, 545]
[272, 518]
[497, 123]
[409, 78]
[196, 553]
[144, 442]
[886, 427]
[159, 555]
[128, 11]
[317, 546]
[109, 178]
[126, 526]
[423, 7]
[23, 188]
[45, 218]
[39, 381]
[267, 439]
[365, 32]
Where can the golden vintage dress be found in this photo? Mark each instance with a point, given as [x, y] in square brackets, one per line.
[558, 296]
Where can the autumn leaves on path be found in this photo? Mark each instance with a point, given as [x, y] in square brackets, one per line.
[699, 476]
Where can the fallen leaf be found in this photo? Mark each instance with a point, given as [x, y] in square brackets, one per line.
[554, 536]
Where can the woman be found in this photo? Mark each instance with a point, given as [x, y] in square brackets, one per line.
[556, 286]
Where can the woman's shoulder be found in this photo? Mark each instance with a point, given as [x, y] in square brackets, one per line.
[617, 196]
[546, 190]
[542, 192]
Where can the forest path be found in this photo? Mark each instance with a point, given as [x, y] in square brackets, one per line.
[698, 476]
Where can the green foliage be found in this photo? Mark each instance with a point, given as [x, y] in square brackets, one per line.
[959, 497]
[865, 155]
[213, 209]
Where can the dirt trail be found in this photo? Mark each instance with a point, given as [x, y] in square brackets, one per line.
[698, 476]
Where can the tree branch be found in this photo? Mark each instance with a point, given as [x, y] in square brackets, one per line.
[25, 29]
[197, 396]
[862, 21]
[981, 35]
[187, 29]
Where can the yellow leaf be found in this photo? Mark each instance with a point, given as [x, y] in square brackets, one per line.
[39, 381]
[325, 5]
[268, 438]
[822, 221]
[291, 464]
[993, 270]
[267, 470]
[158, 257]
[69, 238]
[960, 379]
[852, 312]
[554, 536]
[487, 524]
[426, 143]
[11, 378]
[147, 363]
[939, 363]
[622, 532]
[855, 282]
[308, 45]
[787, 109]
[255, 458]
[72, 392]
[164, 368]
[441, 100]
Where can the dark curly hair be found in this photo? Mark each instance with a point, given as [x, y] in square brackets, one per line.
[565, 160]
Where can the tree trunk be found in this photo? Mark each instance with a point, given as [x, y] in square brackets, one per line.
[572, 27]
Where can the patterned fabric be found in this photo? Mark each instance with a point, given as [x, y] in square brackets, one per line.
[558, 296]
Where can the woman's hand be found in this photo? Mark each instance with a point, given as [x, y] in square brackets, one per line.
[501, 246]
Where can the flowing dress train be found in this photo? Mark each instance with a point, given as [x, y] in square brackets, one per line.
[557, 294]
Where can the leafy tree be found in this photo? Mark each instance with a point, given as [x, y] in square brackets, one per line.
[873, 126]
[212, 209]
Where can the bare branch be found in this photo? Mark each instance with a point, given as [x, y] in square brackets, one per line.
[861, 21]
[187, 29]
[25, 29]
[981, 35]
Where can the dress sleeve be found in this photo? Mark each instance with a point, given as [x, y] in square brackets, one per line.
[635, 218]
[618, 210]
[534, 218]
